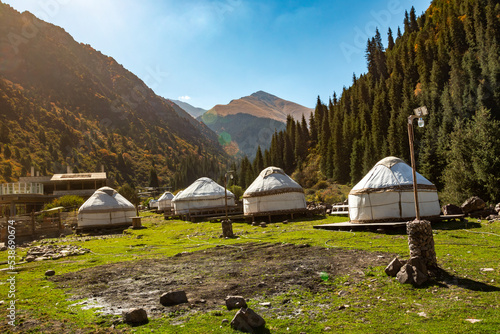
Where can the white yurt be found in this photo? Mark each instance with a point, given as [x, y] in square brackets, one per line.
[106, 207]
[153, 204]
[165, 201]
[202, 195]
[386, 194]
[273, 192]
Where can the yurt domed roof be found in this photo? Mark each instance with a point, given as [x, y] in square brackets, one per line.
[203, 188]
[390, 173]
[106, 199]
[272, 180]
[166, 196]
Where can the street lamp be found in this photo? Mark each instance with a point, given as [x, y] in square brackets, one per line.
[419, 113]
[227, 226]
[230, 173]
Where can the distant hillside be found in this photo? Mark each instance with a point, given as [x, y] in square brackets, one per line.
[191, 110]
[246, 123]
[64, 103]
[264, 105]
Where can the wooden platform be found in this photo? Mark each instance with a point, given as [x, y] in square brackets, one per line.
[374, 226]
[367, 226]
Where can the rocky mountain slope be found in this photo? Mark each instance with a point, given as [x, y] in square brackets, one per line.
[64, 103]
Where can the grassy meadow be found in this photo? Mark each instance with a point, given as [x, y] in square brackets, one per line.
[469, 303]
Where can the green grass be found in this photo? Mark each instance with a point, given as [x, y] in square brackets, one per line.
[377, 304]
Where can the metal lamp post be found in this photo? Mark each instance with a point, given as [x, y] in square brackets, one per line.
[420, 238]
[227, 228]
[225, 187]
[419, 113]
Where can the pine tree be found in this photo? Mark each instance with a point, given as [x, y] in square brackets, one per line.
[390, 39]
[258, 163]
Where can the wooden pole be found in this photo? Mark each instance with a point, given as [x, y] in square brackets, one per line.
[412, 155]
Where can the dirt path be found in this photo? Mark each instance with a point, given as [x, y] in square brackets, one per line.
[209, 276]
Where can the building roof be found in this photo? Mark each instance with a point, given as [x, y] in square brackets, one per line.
[79, 177]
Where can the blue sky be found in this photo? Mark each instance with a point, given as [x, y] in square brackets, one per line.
[208, 52]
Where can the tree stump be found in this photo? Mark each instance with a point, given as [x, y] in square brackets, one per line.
[227, 229]
[421, 242]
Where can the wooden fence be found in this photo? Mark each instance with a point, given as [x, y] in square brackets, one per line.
[33, 227]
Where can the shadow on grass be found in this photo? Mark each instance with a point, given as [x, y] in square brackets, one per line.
[456, 225]
[445, 279]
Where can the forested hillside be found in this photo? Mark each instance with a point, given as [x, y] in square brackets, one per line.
[448, 60]
[63, 103]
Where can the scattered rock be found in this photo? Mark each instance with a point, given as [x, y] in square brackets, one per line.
[393, 268]
[224, 321]
[3, 248]
[497, 208]
[483, 213]
[173, 298]
[135, 316]
[472, 204]
[54, 252]
[410, 274]
[263, 224]
[418, 263]
[246, 320]
[235, 302]
[342, 293]
[404, 275]
[450, 209]
[50, 273]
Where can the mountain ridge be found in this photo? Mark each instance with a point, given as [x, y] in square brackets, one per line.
[246, 123]
[263, 104]
[65, 103]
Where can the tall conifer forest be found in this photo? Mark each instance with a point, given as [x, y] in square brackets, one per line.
[447, 59]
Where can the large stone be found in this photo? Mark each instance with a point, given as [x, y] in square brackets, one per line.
[253, 319]
[419, 277]
[246, 320]
[393, 268]
[405, 275]
[50, 273]
[418, 263]
[472, 204]
[450, 209]
[239, 324]
[173, 298]
[482, 214]
[235, 302]
[135, 316]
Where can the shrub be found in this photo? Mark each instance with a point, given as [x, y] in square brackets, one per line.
[237, 191]
[69, 202]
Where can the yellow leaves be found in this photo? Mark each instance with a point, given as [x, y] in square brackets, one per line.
[418, 89]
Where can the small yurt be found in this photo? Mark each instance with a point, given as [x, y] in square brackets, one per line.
[165, 201]
[106, 207]
[386, 194]
[273, 192]
[202, 195]
[153, 204]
